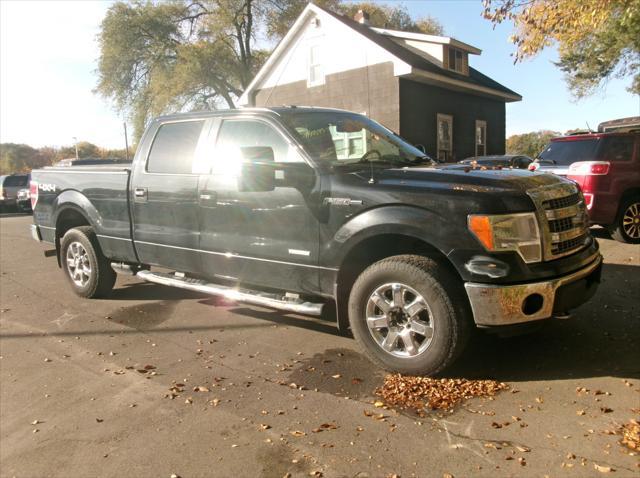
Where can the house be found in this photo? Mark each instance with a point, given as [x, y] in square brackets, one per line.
[420, 86]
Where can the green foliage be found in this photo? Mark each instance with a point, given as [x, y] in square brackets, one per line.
[19, 158]
[393, 17]
[597, 39]
[160, 57]
[530, 144]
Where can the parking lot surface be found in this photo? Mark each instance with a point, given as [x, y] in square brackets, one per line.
[156, 382]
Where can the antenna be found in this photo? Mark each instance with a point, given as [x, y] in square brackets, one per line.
[589, 127]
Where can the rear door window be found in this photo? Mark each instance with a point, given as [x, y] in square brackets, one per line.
[618, 148]
[173, 147]
[564, 153]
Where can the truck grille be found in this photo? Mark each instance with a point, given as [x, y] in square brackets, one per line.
[563, 219]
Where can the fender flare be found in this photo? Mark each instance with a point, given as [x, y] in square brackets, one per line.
[411, 221]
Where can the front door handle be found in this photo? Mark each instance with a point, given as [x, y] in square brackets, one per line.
[140, 194]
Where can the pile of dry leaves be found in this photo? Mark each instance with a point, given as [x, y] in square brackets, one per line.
[631, 435]
[444, 393]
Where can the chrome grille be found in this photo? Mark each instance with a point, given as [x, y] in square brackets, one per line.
[563, 219]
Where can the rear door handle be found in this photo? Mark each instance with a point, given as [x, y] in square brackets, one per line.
[208, 198]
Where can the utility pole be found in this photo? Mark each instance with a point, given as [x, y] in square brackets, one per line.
[126, 140]
[75, 142]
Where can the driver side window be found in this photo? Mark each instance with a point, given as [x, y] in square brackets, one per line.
[235, 135]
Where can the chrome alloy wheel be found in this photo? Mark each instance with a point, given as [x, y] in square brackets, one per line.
[399, 320]
[631, 221]
[78, 264]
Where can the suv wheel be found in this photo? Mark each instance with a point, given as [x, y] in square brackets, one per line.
[408, 315]
[87, 270]
[627, 225]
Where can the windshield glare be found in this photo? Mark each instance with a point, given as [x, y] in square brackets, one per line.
[347, 138]
[564, 153]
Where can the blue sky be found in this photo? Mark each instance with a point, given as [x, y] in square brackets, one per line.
[48, 62]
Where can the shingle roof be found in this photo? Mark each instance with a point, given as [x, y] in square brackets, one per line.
[415, 60]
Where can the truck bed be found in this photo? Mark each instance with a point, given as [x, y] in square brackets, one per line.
[101, 191]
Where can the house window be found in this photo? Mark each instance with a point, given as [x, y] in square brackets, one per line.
[316, 72]
[481, 138]
[456, 60]
[445, 137]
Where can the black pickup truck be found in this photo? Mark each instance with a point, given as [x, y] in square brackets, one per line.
[305, 209]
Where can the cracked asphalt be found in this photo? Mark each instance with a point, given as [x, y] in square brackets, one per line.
[158, 381]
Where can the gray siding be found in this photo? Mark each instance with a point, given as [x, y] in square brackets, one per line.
[420, 104]
[374, 90]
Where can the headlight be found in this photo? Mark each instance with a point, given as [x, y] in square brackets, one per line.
[509, 232]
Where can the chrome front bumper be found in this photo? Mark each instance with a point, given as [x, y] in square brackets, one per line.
[495, 305]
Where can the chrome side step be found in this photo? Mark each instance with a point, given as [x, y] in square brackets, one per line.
[264, 299]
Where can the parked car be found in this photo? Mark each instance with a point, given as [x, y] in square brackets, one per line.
[261, 206]
[9, 187]
[498, 161]
[610, 182]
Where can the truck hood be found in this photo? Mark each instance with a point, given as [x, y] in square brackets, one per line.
[450, 192]
[473, 180]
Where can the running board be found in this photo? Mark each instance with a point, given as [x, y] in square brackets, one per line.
[264, 299]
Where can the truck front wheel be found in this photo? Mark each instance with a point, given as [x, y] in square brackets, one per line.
[409, 315]
[86, 268]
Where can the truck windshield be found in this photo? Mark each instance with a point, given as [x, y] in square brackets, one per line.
[564, 153]
[348, 138]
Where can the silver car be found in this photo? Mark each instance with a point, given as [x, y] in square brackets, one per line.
[9, 187]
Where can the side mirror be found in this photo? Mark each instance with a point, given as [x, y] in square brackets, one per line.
[421, 148]
[258, 171]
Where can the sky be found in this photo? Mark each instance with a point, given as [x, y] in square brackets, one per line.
[49, 52]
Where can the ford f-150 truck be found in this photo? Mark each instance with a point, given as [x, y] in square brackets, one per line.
[305, 209]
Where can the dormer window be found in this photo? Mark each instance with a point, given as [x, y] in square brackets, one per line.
[456, 60]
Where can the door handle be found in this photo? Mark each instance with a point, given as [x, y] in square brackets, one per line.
[208, 198]
[140, 194]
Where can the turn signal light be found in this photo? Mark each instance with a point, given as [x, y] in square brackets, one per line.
[481, 227]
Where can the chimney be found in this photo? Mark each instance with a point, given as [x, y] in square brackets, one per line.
[362, 17]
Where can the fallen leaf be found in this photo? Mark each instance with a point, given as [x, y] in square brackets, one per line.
[580, 412]
[297, 433]
[336, 375]
[99, 420]
[378, 404]
[200, 389]
[264, 426]
[523, 449]
[606, 409]
[603, 469]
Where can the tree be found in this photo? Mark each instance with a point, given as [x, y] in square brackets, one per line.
[597, 39]
[188, 54]
[529, 144]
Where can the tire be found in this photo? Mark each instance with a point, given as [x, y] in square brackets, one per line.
[430, 335]
[84, 265]
[627, 225]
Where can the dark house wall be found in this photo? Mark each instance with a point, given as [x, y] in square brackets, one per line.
[372, 89]
[421, 103]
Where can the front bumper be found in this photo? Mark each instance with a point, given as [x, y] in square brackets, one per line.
[495, 305]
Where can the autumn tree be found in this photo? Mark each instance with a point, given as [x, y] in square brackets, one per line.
[529, 144]
[596, 39]
[187, 54]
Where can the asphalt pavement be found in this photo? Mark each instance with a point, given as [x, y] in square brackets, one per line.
[156, 382]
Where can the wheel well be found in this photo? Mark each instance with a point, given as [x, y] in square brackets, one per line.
[371, 250]
[68, 219]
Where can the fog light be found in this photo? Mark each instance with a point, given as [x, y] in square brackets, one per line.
[532, 304]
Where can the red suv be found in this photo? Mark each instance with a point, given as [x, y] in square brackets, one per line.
[607, 168]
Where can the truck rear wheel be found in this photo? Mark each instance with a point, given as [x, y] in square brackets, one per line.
[409, 315]
[86, 268]
[627, 225]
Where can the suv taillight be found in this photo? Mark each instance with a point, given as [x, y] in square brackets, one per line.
[33, 193]
[533, 166]
[589, 168]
